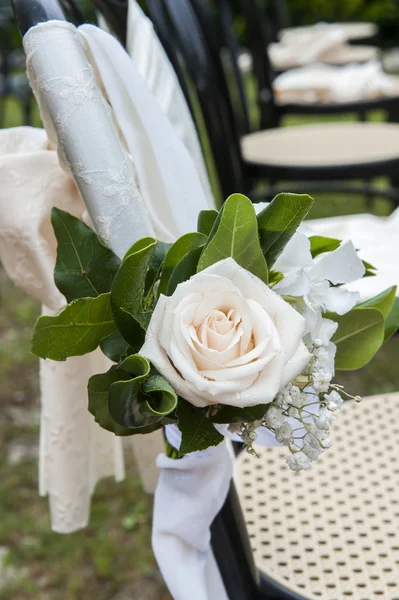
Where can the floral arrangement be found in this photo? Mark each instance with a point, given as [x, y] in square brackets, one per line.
[232, 330]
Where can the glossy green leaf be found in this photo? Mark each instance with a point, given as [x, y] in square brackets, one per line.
[184, 245]
[184, 269]
[206, 220]
[125, 400]
[392, 321]
[142, 397]
[84, 267]
[131, 313]
[383, 301]
[115, 346]
[235, 235]
[197, 431]
[98, 389]
[320, 244]
[359, 335]
[76, 330]
[155, 268]
[162, 399]
[279, 221]
[232, 414]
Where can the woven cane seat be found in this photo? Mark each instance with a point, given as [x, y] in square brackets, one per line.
[332, 532]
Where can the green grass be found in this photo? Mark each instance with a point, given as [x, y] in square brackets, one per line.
[112, 558]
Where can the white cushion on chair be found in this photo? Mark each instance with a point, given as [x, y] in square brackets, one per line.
[323, 145]
[353, 31]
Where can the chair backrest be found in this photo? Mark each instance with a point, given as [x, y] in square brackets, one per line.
[258, 40]
[217, 28]
[177, 24]
[278, 18]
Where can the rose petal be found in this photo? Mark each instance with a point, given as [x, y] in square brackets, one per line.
[295, 365]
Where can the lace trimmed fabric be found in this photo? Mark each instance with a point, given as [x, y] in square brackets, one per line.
[94, 121]
[74, 451]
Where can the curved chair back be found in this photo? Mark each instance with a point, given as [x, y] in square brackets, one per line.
[278, 18]
[258, 41]
[176, 20]
[217, 27]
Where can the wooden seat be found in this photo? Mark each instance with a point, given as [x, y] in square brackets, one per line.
[332, 532]
[321, 145]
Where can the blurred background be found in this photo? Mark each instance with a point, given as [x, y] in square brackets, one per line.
[112, 558]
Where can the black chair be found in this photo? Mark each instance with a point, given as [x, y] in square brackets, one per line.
[301, 154]
[279, 20]
[257, 22]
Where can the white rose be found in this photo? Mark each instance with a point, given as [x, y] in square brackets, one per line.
[224, 337]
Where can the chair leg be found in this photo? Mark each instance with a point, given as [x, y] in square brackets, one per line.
[232, 551]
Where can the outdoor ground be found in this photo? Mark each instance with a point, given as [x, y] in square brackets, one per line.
[112, 558]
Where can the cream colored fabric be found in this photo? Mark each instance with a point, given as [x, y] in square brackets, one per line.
[74, 451]
[151, 61]
[352, 31]
[78, 121]
[323, 42]
[332, 532]
[321, 145]
[325, 84]
[76, 77]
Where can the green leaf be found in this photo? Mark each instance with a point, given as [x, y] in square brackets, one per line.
[197, 431]
[131, 313]
[115, 346]
[155, 268]
[231, 414]
[125, 401]
[206, 220]
[383, 301]
[142, 397]
[235, 234]
[162, 397]
[188, 242]
[370, 270]
[76, 330]
[392, 321]
[279, 221]
[359, 335]
[84, 267]
[98, 389]
[320, 244]
[185, 269]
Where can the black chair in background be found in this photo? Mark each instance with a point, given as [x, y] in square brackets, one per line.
[328, 156]
[257, 22]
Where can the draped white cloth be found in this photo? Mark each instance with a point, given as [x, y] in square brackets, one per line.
[324, 83]
[147, 53]
[78, 119]
[74, 451]
[71, 80]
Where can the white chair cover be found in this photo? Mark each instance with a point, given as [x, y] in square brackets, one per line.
[68, 93]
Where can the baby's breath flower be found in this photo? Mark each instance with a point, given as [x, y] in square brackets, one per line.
[334, 400]
[284, 433]
[298, 461]
[321, 381]
[274, 417]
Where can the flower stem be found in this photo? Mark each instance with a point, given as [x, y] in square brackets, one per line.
[171, 452]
